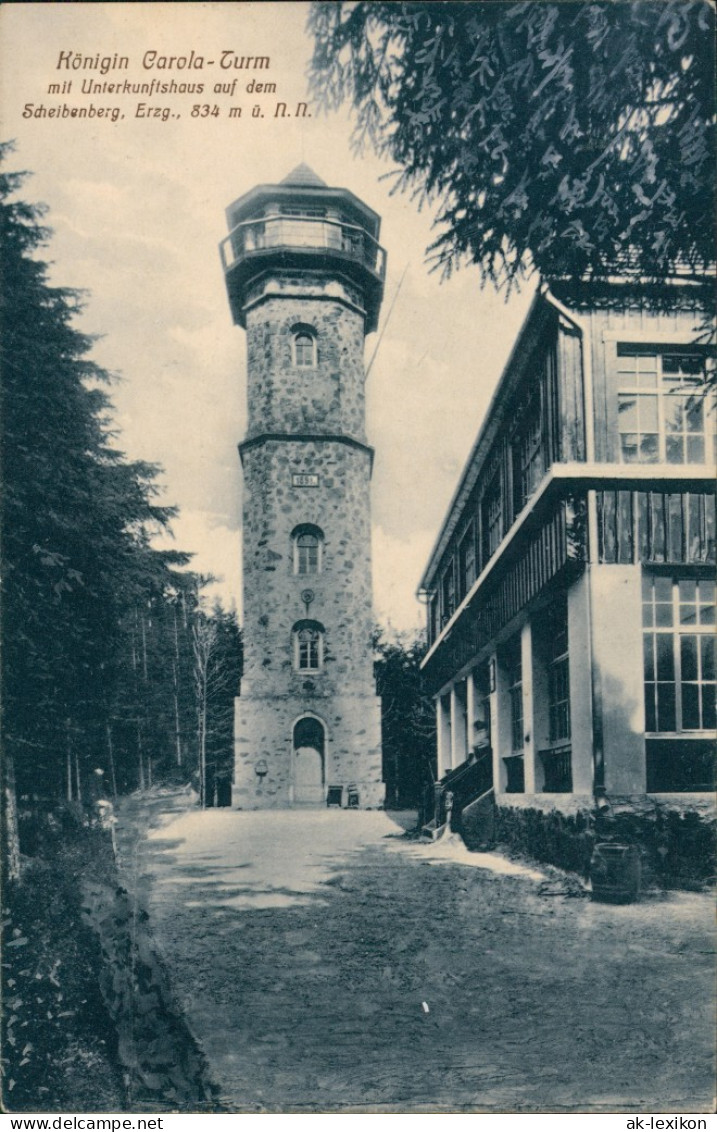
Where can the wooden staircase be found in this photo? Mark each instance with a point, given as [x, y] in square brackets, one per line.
[466, 790]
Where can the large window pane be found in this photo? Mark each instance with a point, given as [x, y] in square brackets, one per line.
[628, 448]
[688, 657]
[675, 449]
[492, 514]
[663, 588]
[687, 589]
[673, 408]
[649, 449]
[627, 408]
[663, 410]
[688, 615]
[695, 450]
[690, 707]
[706, 598]
[695, 413]
[650, 714]
[648, 414]
[665, 657]
[516, 719]
[663, 614]
[682, 655]
[708, 707]
[666, 720]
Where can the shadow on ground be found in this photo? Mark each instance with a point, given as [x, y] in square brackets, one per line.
[326, 965]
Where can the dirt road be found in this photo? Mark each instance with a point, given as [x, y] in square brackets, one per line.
[326, 963]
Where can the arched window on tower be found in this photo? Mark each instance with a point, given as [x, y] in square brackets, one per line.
[308, 643]
[308, 546]
[303, 346]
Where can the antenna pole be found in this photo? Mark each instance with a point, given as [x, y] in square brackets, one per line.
[388, 316]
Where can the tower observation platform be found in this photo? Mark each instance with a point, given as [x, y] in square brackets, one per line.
[311, 227]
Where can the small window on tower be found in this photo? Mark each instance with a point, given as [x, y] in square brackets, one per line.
[304, 349]
[308, 639]
[308, 544]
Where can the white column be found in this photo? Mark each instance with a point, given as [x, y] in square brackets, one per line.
[454, 725]
[458, 728]
[440, 755]
[493, 707]
[470, 712]
[617, 654]
[529, 740]
[500, 723]
[579, 661]
[443, 738]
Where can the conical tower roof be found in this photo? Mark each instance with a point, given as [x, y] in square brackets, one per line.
[304, 175]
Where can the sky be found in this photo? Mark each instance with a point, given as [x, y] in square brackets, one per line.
[137, 210]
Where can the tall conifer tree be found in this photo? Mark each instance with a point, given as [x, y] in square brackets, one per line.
[76, 528]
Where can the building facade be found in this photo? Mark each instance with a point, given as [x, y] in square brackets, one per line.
[570, 592]
[304, 274]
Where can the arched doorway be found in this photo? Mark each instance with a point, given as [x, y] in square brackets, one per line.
[309, 752]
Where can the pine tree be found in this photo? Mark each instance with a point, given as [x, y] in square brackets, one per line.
[91, 657]
[408, 731]
[57, 609]
[217, 671]
[576, 137]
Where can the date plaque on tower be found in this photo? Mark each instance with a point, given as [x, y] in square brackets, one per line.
[304, 479]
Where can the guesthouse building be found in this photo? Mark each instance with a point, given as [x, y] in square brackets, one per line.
[570, 592]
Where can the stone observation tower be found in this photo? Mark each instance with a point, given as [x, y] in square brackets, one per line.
[304, 273]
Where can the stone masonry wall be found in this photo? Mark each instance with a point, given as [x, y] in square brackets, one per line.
[273, 508]
[287, 398]
[675, 833]
[264, 728]
[327, 400]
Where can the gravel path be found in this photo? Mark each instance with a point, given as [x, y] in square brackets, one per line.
[327, 963]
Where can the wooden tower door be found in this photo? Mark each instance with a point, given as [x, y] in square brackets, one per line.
[309, 750]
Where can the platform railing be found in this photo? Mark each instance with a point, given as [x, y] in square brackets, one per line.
[319, 234]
